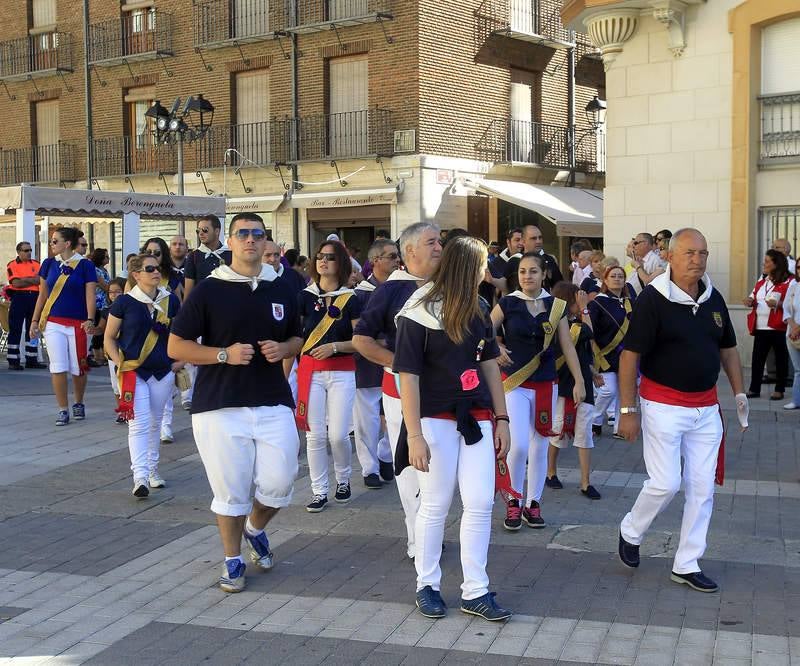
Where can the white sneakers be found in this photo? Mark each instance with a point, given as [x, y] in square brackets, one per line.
[155, 480]
[140, 488]
[791, 405]
[166, 434]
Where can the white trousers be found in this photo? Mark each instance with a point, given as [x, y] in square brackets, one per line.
[606, 400]
[330, 418]
[112, 370]
[372, 445]
[408, 481]
[583, 426]
[245, 446]
[61, 348]
[669, 433]
[472, 468]
[143, 431]
[527, 443]
[293, 380]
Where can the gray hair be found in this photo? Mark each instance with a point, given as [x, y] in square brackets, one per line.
[673, 242]
[412, 234]
[376, 249]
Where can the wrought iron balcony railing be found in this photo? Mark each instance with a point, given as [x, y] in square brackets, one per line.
[780, 129]
[316, 14]
[258, 144]
[41, 54]
[127, 155]
[136, 35]
[217, 22]
[53, 163]
[537, 21]
[351, 134]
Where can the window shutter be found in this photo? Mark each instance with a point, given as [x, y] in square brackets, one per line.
[44, 12]
[780, 57]
[47, 123]
[251, 135]
[349, 85]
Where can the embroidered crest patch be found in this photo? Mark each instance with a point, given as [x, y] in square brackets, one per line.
[718, 318]
[547, 327]
[277, 311]
[501, 467]
[127, 396]
[544, 417]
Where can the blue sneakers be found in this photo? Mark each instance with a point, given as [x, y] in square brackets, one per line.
[232, 578]
[260, 553]
[485, 607]
[63, 418]
[79, 411]
[430, 603]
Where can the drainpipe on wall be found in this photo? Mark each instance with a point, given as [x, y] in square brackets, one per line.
[571, 130]
[295, 146]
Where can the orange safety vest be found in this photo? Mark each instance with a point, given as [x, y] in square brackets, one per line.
[22, 269]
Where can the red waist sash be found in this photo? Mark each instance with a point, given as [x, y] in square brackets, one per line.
[306, 368]
[388, 385]
[80, 340]
[544, 405]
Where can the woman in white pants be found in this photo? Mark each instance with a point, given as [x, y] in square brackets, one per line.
[326, 375]
[610, 313]
[791, 315]
[451, 392]
[135, 340]
[531, 320]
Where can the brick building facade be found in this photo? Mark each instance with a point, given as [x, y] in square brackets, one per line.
[397, 104]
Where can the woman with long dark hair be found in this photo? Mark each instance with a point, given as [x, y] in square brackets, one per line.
[100, 259]
[451, 393]
[64, 312]
[326, 375]
[766, 325]
[158, 248]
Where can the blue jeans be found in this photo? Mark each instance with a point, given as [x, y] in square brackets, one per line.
[794, 354]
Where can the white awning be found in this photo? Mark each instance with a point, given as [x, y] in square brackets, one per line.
[267, 204]
[574, 211]
[379, 195]
[96, 203]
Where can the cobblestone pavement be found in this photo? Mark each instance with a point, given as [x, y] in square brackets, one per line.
[88, 574]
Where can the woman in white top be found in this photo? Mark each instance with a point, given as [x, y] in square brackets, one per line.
[791, 315]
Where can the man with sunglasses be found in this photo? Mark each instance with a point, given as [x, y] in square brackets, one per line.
[242, 413]
[209, 255]
[23, 290]
[646, 262]
[372, 446]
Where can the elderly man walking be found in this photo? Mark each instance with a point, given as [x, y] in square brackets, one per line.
[679, 335]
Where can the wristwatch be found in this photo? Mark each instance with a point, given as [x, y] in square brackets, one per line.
[585, 311]
[222, 356]
[628, 410]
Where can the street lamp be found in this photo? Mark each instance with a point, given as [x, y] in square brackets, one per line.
[596, 112]
[174, 126]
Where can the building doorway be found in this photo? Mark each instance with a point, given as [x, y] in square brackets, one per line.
[356, 226]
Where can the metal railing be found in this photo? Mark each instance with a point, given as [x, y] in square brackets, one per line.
[350, 134]
[220, 21]
[136, 33]
[125, 155]
[261, 143]
[53, 163]
[530, 17]
[312, 12]
[528, 142]
[37, 53]
[780, 128]
[590, 149]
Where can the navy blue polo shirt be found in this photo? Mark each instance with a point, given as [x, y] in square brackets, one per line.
[441, 364]
[680, 348]
[312, 310]
[368, 374]
[71, 303]
[583, 348]
[377, 320]
[293, 279]
[523, 335]
[607, 313]
[223, 313]
[137, 321]
[198, 267]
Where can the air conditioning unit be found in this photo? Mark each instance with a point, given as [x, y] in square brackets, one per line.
[405, 141]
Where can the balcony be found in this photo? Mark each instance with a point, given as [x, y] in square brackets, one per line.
[255, 144]
[366, 133]
[219, 23]
[54, 163]
[780, 129]
[534, 21]
[126, 155]
[37, 55]
[539, 144]
[137, 35]
[317, 15]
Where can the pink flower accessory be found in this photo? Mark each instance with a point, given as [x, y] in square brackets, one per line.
[469, 380]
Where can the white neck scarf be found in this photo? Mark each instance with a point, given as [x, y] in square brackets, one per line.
[403, 275]
[140, 296]
[227, 274]
[313, 288]
[672, 292]
[207, 251]
[506, 256]
[74, 257]
[428, 315]
[524, 297]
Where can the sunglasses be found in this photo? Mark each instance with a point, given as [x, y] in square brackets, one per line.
[203, 230]
[25, 249]
[56, 241]
[148, 269]
[326, 256]
[256, 234]
[153, 253]
[391, 256]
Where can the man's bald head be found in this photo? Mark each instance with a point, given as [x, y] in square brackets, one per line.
[272, 254]
[783, 246]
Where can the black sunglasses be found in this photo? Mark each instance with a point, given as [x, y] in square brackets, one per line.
[153, 253]
[25, 249]
[326, 256]
[257, 234]
[148, 269]
[203, 230]
[391, 255]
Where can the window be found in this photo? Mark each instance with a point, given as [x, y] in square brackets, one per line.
[342, 9]
[781, 222]
[251, 132]
[140, 143]
[46, 133]
[348, 101]
[139, 30]
[43, 36]
[780, 92]
[250, 17]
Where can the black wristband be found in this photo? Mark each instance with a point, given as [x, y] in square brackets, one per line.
[502, 417]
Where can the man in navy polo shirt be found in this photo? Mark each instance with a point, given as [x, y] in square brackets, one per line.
[679, 335]
[374, 338]
[210, 254]
[242, 414]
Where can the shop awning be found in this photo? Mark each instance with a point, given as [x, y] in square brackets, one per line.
[268, 204]
[379, 195]
[96, 203]
[574, 211]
